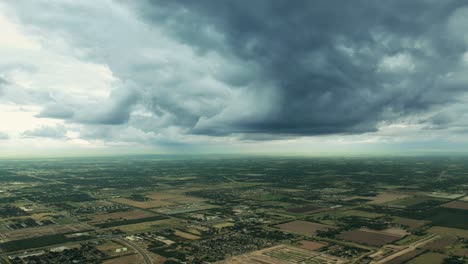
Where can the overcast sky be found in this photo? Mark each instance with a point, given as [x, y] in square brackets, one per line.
[210, 76]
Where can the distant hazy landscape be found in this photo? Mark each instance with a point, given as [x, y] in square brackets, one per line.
[234, 209]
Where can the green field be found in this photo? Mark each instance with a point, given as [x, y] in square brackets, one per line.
[450, 218]
[359, 213]
[132, 221]
[428, 258]
[42, 241]
[411, 201]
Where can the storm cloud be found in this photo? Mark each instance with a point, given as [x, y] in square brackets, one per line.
[254, 69]
[333, 66]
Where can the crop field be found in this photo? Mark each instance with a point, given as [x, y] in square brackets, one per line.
[447, 231]
[126, 215]
[223, 225]
[125, 260]
[159, 199]
[411, 224]
[41, 241]
[440, 243]
[444, 195]
[428, 258]
[109, 248]
[358, 213]
[405, 257]
[394, 231]
[308, 209]
[304, 227]
[410, 201]
[186, 235]
[311, 245]
[184, 208]
[461, 252]
[140, 227]
[122, 222]
[407, 240]
[143, 204]
[43, 230]
[448, 217]
[367, 238]
[456, 205]
[386, 197]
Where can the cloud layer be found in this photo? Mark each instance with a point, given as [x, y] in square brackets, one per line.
[176, 72]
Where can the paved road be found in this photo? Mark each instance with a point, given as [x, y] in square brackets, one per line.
[135, 246]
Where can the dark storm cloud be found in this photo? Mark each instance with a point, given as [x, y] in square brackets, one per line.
[334, 66]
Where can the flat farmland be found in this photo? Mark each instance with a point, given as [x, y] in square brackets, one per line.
[441, 243]
[109, 248]
[41, 231]
[131, 259]
[367, 237]
[308, 209]
[428, 258]
[454, 218]
[386, 197]
[160, 199]
[447, 231]
[143, 204]
[184, 208]
[304, 227]
[311, 245]
[411, 224]
[410, 201]
[140, 227]
[186, 235]
[359, 213]
[126, 215]
[456, 205]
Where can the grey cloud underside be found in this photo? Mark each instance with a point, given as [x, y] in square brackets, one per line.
[4, 136]
[47, 132]
[322, 58]
[263, 69]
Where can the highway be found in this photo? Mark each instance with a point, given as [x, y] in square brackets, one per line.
[136, 247]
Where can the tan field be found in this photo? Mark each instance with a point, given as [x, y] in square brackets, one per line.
[311, 245]
[223, 225]
[411, 223]
[128, 215]
[304, 227]
[386, 197]
[456, 205]
[395, 231]
[186, 235]
[132, 259]
[140, 227]
[367, 237]
[144, 205]
[160, 199]
[109, 248]
[447, 231]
